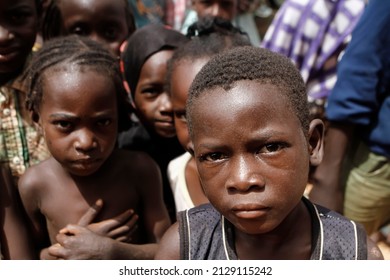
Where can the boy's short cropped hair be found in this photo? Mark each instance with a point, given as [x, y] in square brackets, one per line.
[252, 63]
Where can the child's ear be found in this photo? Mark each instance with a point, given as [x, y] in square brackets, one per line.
[316, 141]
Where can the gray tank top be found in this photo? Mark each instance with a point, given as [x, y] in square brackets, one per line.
[206, 235]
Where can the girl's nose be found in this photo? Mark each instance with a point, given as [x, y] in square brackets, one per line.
[165, 104]
[85, 142]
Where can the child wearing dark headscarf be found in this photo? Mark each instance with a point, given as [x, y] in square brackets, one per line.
[144, 58]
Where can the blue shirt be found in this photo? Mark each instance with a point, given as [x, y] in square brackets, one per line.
[361, 95]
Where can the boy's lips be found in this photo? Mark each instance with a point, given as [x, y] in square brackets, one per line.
[250, 211]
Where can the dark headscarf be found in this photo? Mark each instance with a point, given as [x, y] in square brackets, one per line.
[142, 44]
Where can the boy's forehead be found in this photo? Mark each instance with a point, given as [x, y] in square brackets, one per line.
[220, 94]
[240, 96]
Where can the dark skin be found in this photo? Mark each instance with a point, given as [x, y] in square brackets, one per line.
[78, 116]
[226, 9]
[246, 170]
[328, 188]
[183, 74]
[151, 101]
[18, 29]
[16, 243]
[103, 21]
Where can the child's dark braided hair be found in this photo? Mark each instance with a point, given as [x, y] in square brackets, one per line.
[253, 64]
[209, 36]
[52, 21]
[80, 51]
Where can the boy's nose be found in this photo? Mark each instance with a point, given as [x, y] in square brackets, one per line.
[244, 176]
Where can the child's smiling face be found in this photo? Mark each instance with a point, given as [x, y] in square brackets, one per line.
[18, 29]
[151, 101]
[79, 118]
[252, 154]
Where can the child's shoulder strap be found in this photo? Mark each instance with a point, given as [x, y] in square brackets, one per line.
[201, 234]
[336, 237]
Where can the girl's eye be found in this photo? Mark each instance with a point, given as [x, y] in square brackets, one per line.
[153, 92]
[79, 31]
[104, 122]
[110, 34]
[63, 125]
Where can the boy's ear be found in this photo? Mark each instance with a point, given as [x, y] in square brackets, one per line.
[316, 141]
[190, 149]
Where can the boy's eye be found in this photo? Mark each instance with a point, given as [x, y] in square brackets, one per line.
[212, 157]
[272, 147]
[181, 116]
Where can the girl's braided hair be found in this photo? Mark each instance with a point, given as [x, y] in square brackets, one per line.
[80, 51]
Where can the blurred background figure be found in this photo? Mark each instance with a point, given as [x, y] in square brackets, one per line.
[313, 34]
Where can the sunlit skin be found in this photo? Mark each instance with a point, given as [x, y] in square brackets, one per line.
[80, 132]
[79, 119]
[151, 101]
[101, 20]
[253, 158]
[217, 8]
[253, 174]
[183, 74]
[18, 29]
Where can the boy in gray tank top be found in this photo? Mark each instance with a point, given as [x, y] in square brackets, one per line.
[254, 146]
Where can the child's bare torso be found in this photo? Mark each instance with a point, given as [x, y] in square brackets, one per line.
[67, 198]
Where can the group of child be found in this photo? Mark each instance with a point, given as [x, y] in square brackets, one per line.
[204, 128]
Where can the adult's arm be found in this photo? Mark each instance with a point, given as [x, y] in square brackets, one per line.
[16, 242]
